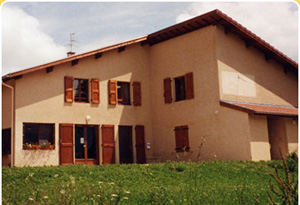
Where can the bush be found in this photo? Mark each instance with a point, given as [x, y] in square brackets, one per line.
[292, 162]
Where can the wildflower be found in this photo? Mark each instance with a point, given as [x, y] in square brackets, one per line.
[62, 191]
[55, 175]
[127, 192]
[114, 195]
[126, 198]
[31, 199]
[111, 183]
[100, 182]
[45, 197]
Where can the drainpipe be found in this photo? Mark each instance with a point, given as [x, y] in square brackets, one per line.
[12, 124]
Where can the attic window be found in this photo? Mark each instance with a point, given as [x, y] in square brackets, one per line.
[81, 90]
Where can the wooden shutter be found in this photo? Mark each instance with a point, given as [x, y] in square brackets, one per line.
[108, 144]
[137, 94]
[189, 85]
[112, 92]
[66, 144]
[167, 90]
[95, 91]
[68, 89]
[181, 138]
[140, 144]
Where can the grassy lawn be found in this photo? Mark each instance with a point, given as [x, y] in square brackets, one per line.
[215, 182]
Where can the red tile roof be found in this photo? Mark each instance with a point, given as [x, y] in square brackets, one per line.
[261, 109]
[215, 17]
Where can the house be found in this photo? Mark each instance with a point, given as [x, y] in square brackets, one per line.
[206, 89]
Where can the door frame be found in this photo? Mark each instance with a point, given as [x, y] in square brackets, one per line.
[86, 160]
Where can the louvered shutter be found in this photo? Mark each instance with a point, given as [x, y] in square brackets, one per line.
[178, 139]
[182, 138]
[167, 90]
[189, 85]
[185, 137]
[137, 94]
[68, 89]
[112, 92]
[95, 91]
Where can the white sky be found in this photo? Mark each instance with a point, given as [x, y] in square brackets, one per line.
[37, 33]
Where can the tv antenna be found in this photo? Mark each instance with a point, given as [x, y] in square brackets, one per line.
[71, 53]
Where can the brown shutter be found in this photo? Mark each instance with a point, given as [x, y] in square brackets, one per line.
[68, 89]
[95, 91]
[112, 92]
[185, 137]
[137, 94]
[178, 139]
[108, 144]
[167, 90]
[66, 144]
[140, 144]
[189, 85]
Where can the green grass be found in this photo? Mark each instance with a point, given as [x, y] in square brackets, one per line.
[215, 182]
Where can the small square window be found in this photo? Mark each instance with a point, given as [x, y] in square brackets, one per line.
[180, 88]
[81, 90]
[123, 90]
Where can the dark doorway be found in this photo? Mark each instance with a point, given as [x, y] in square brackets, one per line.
[125, 144]
[6, 147]
[86, 144]
[277, 137]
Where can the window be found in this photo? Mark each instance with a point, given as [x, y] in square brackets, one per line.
[81, 90]
[38, 133]
[123, 91]
[180, 88]
[182, 138]
[184, 88]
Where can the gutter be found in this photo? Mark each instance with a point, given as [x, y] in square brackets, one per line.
[12, 124]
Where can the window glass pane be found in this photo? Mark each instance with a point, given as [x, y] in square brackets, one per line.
[126, 94]
[79, 142]
[31, 133]
[84, 88]
[180, 88]
[76, 87]
[46, 134]
[91, 142]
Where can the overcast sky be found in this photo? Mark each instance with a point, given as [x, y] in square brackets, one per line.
[37, 33]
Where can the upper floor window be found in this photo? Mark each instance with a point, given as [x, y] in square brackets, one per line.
[119, 92]
[184, 88]
[78, 90]
[81, 90]
[123, 90]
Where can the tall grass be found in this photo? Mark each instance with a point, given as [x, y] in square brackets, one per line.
[164, 183]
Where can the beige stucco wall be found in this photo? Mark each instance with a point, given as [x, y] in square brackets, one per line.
[6, 107]
[245, 75]
[292, 134]
[260, 146]
[40, 99]
[225, 130]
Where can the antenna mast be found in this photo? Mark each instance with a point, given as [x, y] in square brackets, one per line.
[71, 53]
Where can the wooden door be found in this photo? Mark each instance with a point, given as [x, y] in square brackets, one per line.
[125, 144]
[108, 144]
[140, 144]
[66, 144]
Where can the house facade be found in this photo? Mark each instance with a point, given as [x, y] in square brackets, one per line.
[203, 89]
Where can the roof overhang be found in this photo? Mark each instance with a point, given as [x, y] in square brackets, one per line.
[261, 109]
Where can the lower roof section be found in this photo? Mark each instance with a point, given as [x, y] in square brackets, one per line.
[261, 109]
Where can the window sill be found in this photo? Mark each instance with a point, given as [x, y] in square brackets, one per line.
[187, 149]
[37, 147]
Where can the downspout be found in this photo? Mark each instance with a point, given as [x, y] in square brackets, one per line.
[12, 124]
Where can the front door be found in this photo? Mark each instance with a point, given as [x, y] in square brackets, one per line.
[125, 144]
[86, 144]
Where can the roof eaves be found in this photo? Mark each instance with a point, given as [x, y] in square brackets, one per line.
[70, 59]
